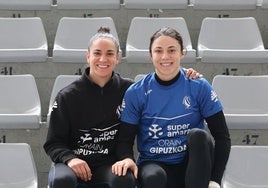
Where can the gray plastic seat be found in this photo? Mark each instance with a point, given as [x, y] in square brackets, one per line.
[25, 4]
[156, 4]
[247, 167]
[224, 5]
[244, 99]
[88, 4]
[18, 168]
[73, 35]
[142, 28]
[20, 106]
[231, 40]
[264, 4]
[23, 40]
[61, 81]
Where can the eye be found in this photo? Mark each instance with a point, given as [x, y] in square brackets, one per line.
[157, 51]
[96, 53]
[110, 54]
[172, 51]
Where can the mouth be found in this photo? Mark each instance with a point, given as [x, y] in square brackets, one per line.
[166, 64]
[103, 66]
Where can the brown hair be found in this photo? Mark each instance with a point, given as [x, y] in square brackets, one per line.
[104, 32]
[166, 31]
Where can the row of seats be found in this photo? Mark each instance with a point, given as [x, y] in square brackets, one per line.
[243, 98]
[246, 167]
[221, 40]
[132, 4]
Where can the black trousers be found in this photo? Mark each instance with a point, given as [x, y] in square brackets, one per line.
[193, 173]
[61, 176]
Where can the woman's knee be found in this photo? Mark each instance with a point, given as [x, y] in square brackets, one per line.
[198, 137]
[60, 175]
[152, 175]
[127, 181]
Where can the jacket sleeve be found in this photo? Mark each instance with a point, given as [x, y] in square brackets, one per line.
[57, 142]
[218, 128]
[126, 138]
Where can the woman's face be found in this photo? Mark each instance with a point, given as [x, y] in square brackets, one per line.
[166, 56]
[102, 58]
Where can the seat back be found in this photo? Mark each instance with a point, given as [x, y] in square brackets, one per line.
[156, 4]
[23, 40]
[25, 5]
[247, 167]
[224, 5]
[61, 81]
[17, 166]
[19, 102]
[142, 28]
[85, 4]
[231, 40]
[73, 35]
[244, 100]
[264, 4]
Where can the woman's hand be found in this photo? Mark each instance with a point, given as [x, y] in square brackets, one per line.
[80, 168]
[192, 74]
[120, 168]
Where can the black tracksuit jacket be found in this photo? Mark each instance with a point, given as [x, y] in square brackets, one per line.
[85, 120]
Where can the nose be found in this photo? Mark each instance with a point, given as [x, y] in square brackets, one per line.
[103, 58]
[165, 55]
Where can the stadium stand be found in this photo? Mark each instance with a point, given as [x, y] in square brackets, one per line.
[224, 5]
[244, 100]
[20, 106]
[85, 4]
[140, 31]
[61, 81]
[25, 5]
[23, 40]
[45, 73]
[231, 40]
[73, 34]
[156, 4]
[18, 168]
[247, 167]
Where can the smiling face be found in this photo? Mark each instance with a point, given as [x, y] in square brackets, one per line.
[102, 59]
[166, 54]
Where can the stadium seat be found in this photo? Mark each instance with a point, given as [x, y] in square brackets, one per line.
[244, 99]
[25, 5]
[156, 4]
[61, 81]
[73, 35]
[20, 106]
[17, 166]
[85, 4]
[231, 40]
[224, 5]
[264, 4]
[23, 40]
[142, 28]
[246, 168]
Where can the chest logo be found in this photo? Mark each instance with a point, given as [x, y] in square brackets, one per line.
[155, 131]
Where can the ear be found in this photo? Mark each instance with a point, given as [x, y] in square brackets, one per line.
[183, 54]
[118, 56]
